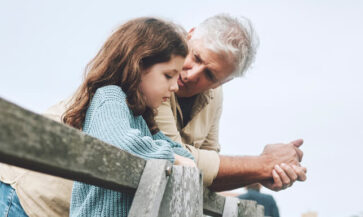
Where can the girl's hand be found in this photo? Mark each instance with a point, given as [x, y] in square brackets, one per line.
[183, 161]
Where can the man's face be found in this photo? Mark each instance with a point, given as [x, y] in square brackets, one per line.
[203, 69]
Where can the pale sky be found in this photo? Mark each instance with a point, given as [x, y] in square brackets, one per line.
[306, 81]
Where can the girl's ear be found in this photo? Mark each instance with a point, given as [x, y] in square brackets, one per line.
[190, 33]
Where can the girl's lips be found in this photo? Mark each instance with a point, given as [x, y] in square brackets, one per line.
[165, 98]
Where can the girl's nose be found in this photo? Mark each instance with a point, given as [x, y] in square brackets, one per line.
[174, 86]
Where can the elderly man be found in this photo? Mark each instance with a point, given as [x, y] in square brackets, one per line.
[221, 48]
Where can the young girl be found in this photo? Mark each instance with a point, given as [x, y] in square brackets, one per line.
[135, 70]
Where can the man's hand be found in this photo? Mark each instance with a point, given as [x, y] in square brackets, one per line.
[283, 153]
[238, 171]
[284, 176]
[288, 169]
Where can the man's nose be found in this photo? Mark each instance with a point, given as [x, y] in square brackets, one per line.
[193, 74]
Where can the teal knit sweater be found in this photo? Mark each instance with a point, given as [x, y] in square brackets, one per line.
[109, 119]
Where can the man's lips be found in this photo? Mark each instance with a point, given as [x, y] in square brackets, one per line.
[165, 98]
[180, 82]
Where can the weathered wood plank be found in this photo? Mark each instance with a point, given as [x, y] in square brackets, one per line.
[34, 142]
[247, 208]
[182, 197]
[260, 211]
[230, 207]
[213, 204]
[151, 189]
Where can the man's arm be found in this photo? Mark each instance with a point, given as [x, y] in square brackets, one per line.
[238, 171]
[273, 168]
[229, 172]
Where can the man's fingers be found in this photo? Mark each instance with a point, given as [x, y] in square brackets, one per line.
[277, 185]
[297, 143]
[290, 172]
[304, 169]
[299, 153]
[285, 179]
[301, 172]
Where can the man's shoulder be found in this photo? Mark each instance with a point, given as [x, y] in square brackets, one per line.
[216, 96]
[56, 111]
[217, 92]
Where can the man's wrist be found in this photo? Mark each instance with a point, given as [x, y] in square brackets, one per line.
[266, 166]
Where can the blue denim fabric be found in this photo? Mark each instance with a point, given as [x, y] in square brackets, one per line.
[9, 202]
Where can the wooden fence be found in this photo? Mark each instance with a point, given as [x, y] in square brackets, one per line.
[35, 142]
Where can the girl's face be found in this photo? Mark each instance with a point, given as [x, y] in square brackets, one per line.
[160, 80]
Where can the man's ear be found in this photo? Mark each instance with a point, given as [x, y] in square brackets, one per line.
[190, 33]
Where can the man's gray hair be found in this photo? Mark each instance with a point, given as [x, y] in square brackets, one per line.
[232, 35]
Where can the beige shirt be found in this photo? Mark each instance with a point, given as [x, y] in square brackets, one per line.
[45, 195]
[200, 135]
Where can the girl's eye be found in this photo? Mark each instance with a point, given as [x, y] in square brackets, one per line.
[168, 76]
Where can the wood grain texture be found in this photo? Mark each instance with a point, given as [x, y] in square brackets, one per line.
[34, 142]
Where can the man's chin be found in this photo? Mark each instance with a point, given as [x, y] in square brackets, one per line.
[184, 94]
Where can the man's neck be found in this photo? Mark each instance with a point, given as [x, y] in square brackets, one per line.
[186, 106]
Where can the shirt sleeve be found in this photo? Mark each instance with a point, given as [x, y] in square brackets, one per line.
[110, 122]
[207, 159]
[56, 111]
[209, 151]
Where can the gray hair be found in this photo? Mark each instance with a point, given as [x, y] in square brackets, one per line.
[231, 35]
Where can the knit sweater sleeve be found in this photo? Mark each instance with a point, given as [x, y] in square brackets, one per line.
[177, 148]
[110, 121]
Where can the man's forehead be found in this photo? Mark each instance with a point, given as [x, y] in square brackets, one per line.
[219, 63]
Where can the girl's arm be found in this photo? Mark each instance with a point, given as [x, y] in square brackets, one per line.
[184, 161]
[110, 122]
[182, 156]
[178, 149]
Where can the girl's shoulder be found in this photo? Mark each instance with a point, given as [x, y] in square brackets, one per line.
[108, 93]
[110, 100]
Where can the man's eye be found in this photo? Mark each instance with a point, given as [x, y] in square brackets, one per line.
[209, 76]
[197, 59]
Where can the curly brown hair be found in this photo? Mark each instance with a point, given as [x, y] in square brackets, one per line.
[128, 52]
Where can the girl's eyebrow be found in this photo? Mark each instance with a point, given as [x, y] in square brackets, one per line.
[171, 71]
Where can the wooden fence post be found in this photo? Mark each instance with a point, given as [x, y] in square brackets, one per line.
[150, 190]
[260, 211]
[231, 207]
[247, 208]
[182, 196]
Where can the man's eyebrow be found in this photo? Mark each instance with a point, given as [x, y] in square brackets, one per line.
[207, 70]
